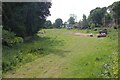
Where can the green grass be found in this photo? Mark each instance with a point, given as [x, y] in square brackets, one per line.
[63, 55]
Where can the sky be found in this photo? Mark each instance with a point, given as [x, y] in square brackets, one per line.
[63, 8]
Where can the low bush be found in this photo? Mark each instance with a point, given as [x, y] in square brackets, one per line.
[10, 39]
[111, 68]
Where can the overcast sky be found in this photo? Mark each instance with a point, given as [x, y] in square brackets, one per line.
[63, 8]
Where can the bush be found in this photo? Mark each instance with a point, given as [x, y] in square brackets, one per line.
[111, 68]
[10, 38]
[92, 25]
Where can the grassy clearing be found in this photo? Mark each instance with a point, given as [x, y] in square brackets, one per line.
[58, 54]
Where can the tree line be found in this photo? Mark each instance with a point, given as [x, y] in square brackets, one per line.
[98, 17]
[25, 19]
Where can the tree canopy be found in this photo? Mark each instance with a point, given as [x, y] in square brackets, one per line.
[84, 22]
[71, 20]
[58, 22]
[115, 10]
[96, 16]
[48, 24]
[24, 18]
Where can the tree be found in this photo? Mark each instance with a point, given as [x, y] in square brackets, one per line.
[58, 23]
[71, 20]
[107, 19]
[54, 25]
[115, 9]
[48, 24]
[65, 24]
[80, 24]
[24, 18]
[84, 22]
[96, 16]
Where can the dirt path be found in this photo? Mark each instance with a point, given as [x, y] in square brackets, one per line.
[81, 34]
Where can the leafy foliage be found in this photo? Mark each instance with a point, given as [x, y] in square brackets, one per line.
[10, 39]
[107, 19]
[48, 24]
[71, 20]
[115, 7]
[84, 22]
[106, 16]
[96, 16]
[111, 68]
[29, 51]
[24, 18]
[58, 23]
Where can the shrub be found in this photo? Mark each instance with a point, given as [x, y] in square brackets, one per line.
[111, 68]
[92, 25]
[10, 38]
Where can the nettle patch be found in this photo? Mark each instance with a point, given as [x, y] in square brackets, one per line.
[110, 69]
[10, 39]
[20, 58]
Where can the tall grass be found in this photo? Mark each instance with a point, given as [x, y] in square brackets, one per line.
[27, 52]
[77, 57]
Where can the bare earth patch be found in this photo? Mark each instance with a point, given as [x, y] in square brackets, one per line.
[82, 34]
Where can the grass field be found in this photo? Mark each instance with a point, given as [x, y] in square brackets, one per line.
[58, 53]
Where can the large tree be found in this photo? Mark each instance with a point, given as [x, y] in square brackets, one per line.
[84, 22]
[24, 18]
[107, 19]
[58, 22]
[115, 10]
[96, 16]
[71, 20]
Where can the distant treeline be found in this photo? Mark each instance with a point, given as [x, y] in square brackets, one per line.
[24, 19]
[98, 17]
